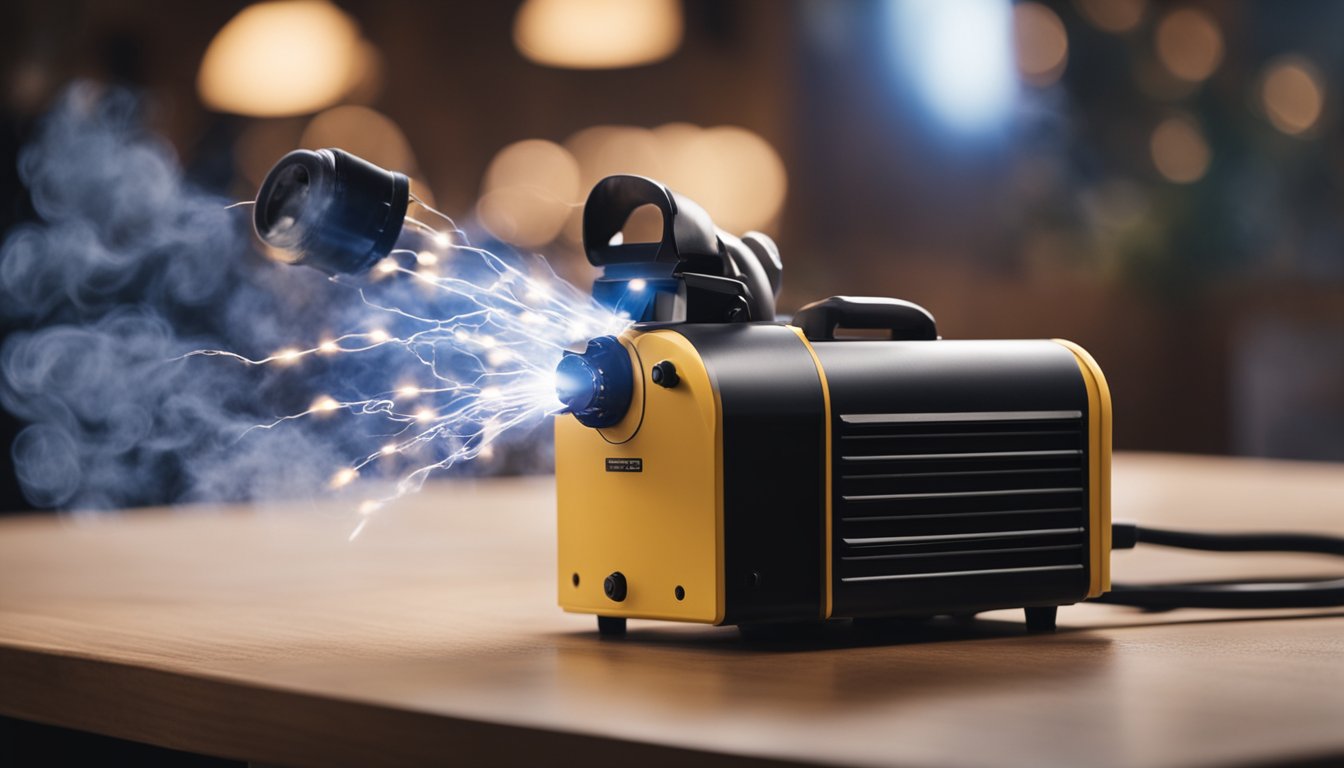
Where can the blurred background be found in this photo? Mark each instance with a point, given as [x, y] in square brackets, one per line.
[1160, 182]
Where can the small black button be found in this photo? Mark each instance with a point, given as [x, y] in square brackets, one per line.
[664, 374]
[614, 586]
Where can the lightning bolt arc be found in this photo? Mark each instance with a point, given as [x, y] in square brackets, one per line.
[362, 225]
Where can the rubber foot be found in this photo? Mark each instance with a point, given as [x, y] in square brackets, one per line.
[611, 626]
[1042, 619]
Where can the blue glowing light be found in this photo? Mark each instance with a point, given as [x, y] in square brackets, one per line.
[958, 56]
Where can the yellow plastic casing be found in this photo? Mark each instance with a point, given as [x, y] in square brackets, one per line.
[660, 527]
[1099, 466]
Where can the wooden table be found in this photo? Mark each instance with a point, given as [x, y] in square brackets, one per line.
[433, 637]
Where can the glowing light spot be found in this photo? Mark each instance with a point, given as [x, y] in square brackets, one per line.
[1189, 44]
[1113, 15]
[498, 357]
[638, 284]
[537, 292]
[442, 240]
[461, 336]
[603, 150]
[1042, 45]
[597, 34]
[427, 258]
[1292, 95]
[490, 393]
[425, 414]
[408, 391]
[324, 403]
[328, 346]
[281, 58]
[528, 191]
[488, 452]
[958, 55]
[487, 341]
[734, 173]
[343, 477]
[578, 329]
[377, 336]
[287, 355]
[361, 131]
[1179, 151]
[387, 266]
[369, 506]
[390, 449]
[533, 318]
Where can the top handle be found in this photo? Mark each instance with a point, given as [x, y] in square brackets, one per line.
[688, 242]
[906, 321]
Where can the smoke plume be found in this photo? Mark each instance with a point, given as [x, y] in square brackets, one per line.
[128, 268]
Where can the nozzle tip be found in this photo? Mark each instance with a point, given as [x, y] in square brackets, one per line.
[331, 209]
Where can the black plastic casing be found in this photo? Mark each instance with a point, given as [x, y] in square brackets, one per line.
[920, 523]
[331, 210]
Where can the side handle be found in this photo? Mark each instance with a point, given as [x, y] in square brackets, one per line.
[906, 321]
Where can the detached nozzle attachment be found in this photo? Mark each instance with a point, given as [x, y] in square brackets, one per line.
[596, 386]
[331, 210]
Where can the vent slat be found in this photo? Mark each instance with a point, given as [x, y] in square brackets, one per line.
[928, 435]
[944, 574]
[961, 536]
[959, 494]
[973, 455]
[958, 515]
[960, 552]
[964, 473]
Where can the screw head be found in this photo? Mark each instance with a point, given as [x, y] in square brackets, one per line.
[614, 586]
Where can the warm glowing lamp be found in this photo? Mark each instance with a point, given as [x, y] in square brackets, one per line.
[274, 59]
[598, 34]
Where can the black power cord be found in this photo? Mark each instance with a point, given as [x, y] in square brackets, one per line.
[1321, 593]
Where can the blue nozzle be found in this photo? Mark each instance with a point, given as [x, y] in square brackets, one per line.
[596, 386]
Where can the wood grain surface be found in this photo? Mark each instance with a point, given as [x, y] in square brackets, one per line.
[265, 634]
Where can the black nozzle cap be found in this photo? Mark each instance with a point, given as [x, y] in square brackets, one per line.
[331, 210]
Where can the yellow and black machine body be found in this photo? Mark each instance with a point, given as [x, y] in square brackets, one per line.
[724, 467]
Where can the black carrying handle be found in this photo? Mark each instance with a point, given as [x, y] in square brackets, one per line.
[688, 239]
[906, 321]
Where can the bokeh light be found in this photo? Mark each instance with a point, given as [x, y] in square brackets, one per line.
[1041, 43]
[288, 57]
[733, 173]
[1292, 95]
[528, 192]
[958, 56]
[1179, 150]
[1189, 44]
[603, 150]
[598, 34]
[1117, 16]
[363, 132]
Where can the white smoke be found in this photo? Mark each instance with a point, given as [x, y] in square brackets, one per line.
[128, 267]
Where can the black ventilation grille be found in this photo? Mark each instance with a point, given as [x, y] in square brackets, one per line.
[940, 497]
